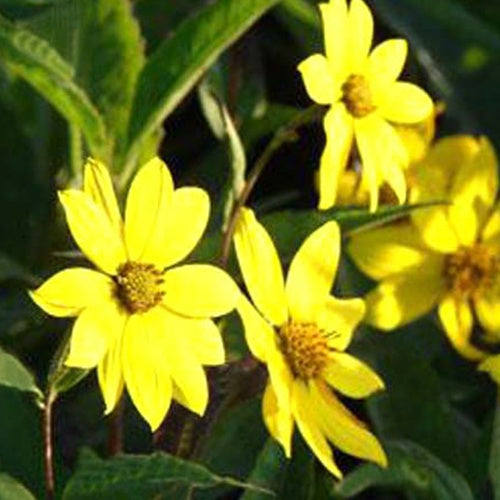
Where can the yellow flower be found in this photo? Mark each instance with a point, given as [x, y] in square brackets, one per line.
[365, 99]
[140, 321]
[446, 256]
[301, 332]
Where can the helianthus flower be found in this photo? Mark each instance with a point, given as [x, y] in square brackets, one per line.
[301, 332]
[444, 256]
[140, 321]
[365, 100]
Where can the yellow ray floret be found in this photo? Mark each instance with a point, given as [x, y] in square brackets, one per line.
[144, 324]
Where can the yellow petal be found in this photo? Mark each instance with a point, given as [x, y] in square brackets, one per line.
[491, 231]
[95, 331]
[145, 369]
[205, 341]
[98, 185]
[491, 365]
[456, 318]
[474, 192]
[312, 271]
[70, 291]
[280, 377]
[109, 374]
[184, 367]
[261, 267]
[404, 297]
[334, 16]
[318, 79]
[350, 376]
[386, 62]
[147, 205]
[342, 428]
[92, 230]
[404, 102]
[339, 131]
[304, 412]
[360, 32]
[278, 422]
[259, 334]
[387, 250]
[199, 291]
[487, 307]
[178, 228]
[338, 318]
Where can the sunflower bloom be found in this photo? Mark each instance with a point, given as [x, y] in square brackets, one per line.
[445, 256]
[365, 100]
[144, 324]
[301, 332]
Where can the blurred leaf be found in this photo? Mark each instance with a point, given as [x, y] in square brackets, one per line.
[179, 61]
[494, 465]
[412, 469]
[11, 270]
[14, 374]
[10, 489]
[38, 63]
[157, 475]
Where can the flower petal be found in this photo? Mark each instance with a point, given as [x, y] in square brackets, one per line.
[278, 422]
[147, 205]
[312, 271]
[281, 378]
[179, 227]
[487, 307]
[304, 413]
[404, 102]
[145, 370]
[98, 185]
[334, 17]
[342, 428]
[360, 33]
[261, 267]
[96, 329]
[70, 291]
[318, 79]
[456, 318]
[404, 297]
[92, 230]
[339, 318]
[109, 374]
[338, 125]
[386, 62]
[474, 192]
[387, 250]
[259, 334]
[181, 360]
[491, 365]
[199, 291]
[350, 376]
[491, 231]
[205, 341]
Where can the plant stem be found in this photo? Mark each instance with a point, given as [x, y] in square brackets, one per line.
[75, 151]
[115, 430]
[284, 134]
[47, 445]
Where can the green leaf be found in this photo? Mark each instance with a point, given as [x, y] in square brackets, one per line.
[141, 476]
[412, 469]
[14, 374]
[10, 489]
[34, 60]
[173, 69]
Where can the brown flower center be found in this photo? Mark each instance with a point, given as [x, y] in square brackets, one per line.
[138, 286]
[357, 96]
[305, 348]
[470, 270]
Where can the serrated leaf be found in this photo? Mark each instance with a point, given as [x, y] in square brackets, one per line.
[412, 469]
[157, 475]
[173, 69]
[15, 375]
[34, 60]
[10, 489]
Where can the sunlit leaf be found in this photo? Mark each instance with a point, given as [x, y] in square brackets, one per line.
[10, 489]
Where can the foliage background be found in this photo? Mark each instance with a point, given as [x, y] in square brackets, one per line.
[87, 58]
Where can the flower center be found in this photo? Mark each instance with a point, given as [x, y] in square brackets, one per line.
[470, 270]
[138, 286]
[357, 97]
[305, 348]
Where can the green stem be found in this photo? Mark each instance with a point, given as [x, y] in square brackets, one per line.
[47, 445]
[75, 151]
